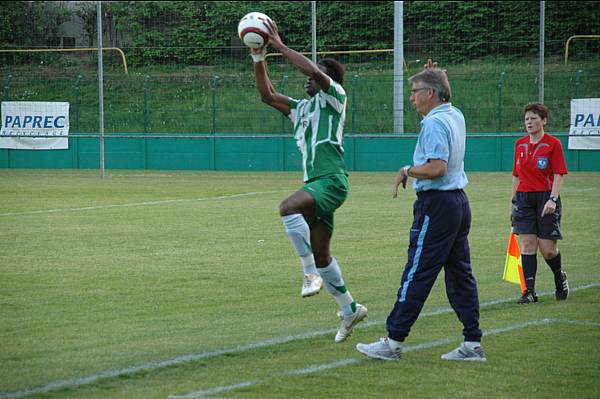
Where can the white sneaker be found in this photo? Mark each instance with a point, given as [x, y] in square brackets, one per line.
[464, 353]
[311, 285]
[348, 322]
[380, 350]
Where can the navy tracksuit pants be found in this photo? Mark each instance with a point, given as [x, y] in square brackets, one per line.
[438, 239]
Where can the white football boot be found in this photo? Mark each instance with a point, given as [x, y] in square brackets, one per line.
[348, 322]
[311, 285]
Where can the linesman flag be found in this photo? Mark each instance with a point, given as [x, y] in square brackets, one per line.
[513, 270]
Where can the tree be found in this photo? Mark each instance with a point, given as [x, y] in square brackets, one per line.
[26, 24]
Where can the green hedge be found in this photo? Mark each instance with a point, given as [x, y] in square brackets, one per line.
[187, 32]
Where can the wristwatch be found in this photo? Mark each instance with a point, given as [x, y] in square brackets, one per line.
[554, 199]
[405, 170]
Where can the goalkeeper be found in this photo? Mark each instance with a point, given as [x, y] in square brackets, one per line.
[308, 213]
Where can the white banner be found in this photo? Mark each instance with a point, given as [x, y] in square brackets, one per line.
[30, 119]
[585, 121]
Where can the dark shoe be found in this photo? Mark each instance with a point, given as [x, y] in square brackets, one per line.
[562, 286]
[528, 297]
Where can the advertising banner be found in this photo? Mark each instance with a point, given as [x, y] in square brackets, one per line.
[31, 125]
[585, 121]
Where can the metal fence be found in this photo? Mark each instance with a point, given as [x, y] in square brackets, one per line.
[153, 90]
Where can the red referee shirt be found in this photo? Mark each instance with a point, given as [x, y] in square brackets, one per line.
[536, 164]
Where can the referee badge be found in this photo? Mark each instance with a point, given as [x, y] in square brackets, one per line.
[542, 162]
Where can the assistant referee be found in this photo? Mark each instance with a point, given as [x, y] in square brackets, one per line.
[538, 173]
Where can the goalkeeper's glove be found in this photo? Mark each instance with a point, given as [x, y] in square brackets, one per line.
[258, 54]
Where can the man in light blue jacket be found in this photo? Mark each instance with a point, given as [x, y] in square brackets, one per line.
[442, 219]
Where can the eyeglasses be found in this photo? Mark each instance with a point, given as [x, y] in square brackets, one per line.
[413, 91]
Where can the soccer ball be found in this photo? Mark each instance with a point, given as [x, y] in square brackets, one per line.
[252, 30]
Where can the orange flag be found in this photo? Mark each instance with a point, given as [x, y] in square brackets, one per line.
[513, 270]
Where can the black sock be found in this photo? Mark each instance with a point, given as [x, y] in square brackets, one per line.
[529, 270]
[555, 264]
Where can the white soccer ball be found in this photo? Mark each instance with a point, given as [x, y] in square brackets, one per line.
[252, 30]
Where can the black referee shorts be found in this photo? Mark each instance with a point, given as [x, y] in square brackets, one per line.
[527, 216]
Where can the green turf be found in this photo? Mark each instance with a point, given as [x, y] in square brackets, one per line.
[142, 267]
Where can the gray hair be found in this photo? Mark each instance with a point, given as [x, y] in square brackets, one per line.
[435, 79]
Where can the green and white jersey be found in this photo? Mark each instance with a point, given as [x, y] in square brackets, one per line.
[319, 129]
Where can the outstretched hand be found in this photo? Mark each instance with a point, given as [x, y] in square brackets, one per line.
[433, 65]
[430, 64]
[258, 54]
[274, 38]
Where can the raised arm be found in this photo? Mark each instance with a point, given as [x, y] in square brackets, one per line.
[267, 91]
[306, 66]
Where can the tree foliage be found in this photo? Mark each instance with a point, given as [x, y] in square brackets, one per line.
[461, 30]
[27, 24]
[454, 30]
[198, 32]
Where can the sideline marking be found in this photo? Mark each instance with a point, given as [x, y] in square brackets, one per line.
[76, 382]
[170, 201]
[347, 362]
[210, 391]
[579, 190]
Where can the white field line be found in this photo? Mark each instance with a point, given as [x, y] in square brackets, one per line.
[80, 381]
[133, 204]
[211, 391]
[579, 190]
[347, 362]
[109, 175]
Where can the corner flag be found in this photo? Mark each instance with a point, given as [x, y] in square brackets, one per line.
[513, 270]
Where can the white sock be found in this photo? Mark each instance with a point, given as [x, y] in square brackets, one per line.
[299, 233]
[394, 345]
[334, 284]
[472, 344]
[308, 264]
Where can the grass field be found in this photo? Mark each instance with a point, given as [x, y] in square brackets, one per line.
[184, 285]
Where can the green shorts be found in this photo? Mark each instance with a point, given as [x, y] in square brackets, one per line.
[329, 193]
